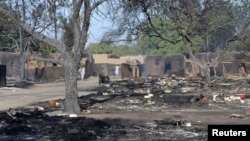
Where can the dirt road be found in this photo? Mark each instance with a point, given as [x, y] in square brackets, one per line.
[15, 97]
[11, 97]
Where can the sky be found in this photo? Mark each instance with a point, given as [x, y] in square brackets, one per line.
[98, 26]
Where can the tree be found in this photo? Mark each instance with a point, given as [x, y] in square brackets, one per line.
[241, 16]
[129, 39]
[8, 32]
[195, 22]
[17, 38]
[42, 47]
[100, 48]
[25, 40]
[111, 48]
[215, 22]
[39, 24]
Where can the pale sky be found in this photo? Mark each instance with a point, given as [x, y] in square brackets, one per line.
[98, 26]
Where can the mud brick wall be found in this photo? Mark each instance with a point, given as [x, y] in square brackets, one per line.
[149, 65]
[189, 69]
[37, 64]
[32, 64]
[12, 62]
[106, 58]
[56, 56]
[237, 56]
[104, 69]
[228, 65]
[192, 69]
[105, 63]
[177, 64]
[218, 70]
[128, 59]
[158, 66]
[230, 68]
[30, 74]
[154, 66]
[100, 69]
[126, 71]
[247, 65]
[48, 73]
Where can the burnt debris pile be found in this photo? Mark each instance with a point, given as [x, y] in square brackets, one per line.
[138, 109]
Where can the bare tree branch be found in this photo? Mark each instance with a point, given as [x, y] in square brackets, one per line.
[96, 4]
[43, 38]
[156, 31]
[243, 30]
[17, 45]
[9, 48]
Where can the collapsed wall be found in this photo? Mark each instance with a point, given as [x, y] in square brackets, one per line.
[234, 64]
[157, 66]
[230, 65]
[12, 63]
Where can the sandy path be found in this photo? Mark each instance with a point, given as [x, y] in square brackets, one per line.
[17, 97]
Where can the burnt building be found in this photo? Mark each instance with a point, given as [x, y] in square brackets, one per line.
[228, 65]
[157, 66]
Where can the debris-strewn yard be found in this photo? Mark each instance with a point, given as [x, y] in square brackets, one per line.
[143, 109]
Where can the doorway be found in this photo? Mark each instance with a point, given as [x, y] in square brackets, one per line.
[2, 75]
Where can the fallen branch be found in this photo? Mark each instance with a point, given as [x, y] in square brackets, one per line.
[10, 115]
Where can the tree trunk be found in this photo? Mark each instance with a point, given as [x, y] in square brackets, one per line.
[71, 104]
[22, 67]
[205, 73]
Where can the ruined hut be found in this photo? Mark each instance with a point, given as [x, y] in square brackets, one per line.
[229, 65]
[157, 66]
[34, 70]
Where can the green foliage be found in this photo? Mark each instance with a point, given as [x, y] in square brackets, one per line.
[100, 48]
[200, 23]
[241, 13]
[153, 44]
[8, 30]
[105, 48]
[46, 48]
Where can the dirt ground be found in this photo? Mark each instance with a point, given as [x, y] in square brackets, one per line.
[111, 117]
[11, 97]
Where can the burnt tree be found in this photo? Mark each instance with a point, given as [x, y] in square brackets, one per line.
[81, 11]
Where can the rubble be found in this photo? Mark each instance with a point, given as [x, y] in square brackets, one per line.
[139, 109]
